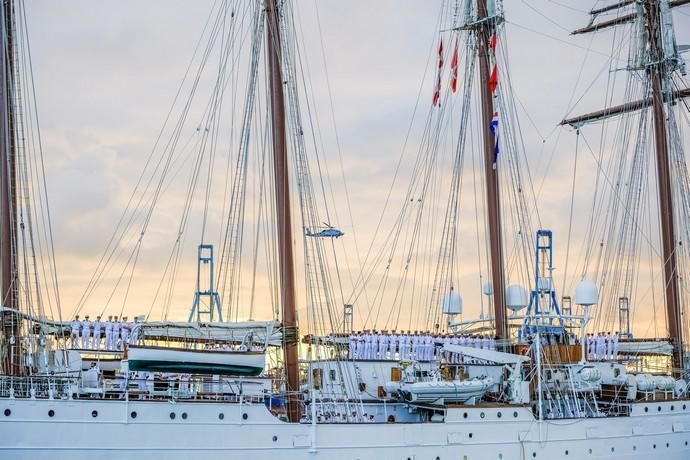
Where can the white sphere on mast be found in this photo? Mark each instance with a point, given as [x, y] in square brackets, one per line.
[452, 303]
[586, 293]
[516, 297]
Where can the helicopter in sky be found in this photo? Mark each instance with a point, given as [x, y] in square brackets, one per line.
[325, 232]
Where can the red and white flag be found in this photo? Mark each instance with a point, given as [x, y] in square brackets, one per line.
[437, 89]
[492, 42]
[454, 68]
[493, 79]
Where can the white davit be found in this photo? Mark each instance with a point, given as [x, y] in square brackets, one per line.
[452, 303]
[516, 297]
[586, 293]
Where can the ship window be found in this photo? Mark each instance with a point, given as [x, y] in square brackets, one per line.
[613, 449]
[133, 414]
[172, 415]
[482, 415]
[646, 409]
[221, 416]
[634, 448]
[184, 415]
[534, 454]
[616, 372]
[590, 451]
[654, 446]
[464, 415]
[499, 415]
[275, 438]
[667, 445]
[470, 435]
[51, 412]
[684, 406]
[515, 414]
[658, 408]
[9, 412]
[332, 375]
[672, 407]
[499, 456]
[245, 416]
[566, 452]
[94, 413]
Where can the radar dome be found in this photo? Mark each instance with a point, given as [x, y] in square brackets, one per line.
[586, 293]
[488, 289]
[452, 303]
[516, 297]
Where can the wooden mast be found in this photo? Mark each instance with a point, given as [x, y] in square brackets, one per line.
[656, 72]
[8, 199]
[493, 199]
[284, 221]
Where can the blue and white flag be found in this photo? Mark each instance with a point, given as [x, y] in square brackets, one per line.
[494, 130]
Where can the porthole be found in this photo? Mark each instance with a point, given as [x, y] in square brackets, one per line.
[667, 445]
[275, 438]
[172, 415]
[499, 456]
[590, 451]
[51, 413]
[221, 416]
[470, 435]
[482, 415]
[515, 414]
[9, 412]
[94, 413]
[245, 416]
[654, 446]
[184, 415]
[133, 414]
[658, 409]
[566, 452]
[464, 415]
[499, 415]
[672, 407]
[634, 448]
[686, 443]
[684, 406]
[613, 449]
[646, 409]
[534, 454]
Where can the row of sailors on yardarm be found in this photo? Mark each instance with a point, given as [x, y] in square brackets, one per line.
[90, 334]
[410, 346]
[603, 346]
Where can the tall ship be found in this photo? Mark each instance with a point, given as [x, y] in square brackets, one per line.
[541, 373]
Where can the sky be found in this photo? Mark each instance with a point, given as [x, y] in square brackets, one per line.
[107, 72]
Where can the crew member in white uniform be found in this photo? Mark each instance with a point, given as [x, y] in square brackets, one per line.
[86, 332]
[383, 345]
[116, 333]
[352, 346]
[97, 329]
[616, 338]
[609, 346]
[75, 331]
[109, 334]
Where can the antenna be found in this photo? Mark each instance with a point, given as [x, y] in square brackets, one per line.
[204, 311]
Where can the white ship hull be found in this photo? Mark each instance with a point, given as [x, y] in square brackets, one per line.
[73, 432]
